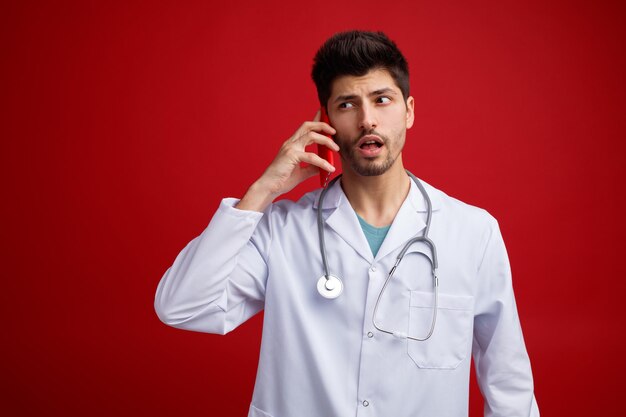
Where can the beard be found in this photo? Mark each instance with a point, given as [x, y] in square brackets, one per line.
[367, 167]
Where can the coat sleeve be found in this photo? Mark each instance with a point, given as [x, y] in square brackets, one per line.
[218, 280]
[502, 364]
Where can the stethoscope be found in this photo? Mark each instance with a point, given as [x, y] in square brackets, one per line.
[330, 286]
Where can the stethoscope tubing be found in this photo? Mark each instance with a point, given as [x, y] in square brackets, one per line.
[320, 224]
[333, 285]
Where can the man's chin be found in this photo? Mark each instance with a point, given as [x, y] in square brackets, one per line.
[371, 169]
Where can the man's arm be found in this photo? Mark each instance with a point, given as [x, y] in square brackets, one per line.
[218, 281]
[285, 172]
[502, 364]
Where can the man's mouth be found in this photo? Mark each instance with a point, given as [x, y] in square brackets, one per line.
[370, 145]
[370, 142]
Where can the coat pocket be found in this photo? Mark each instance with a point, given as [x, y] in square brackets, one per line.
[450, 342]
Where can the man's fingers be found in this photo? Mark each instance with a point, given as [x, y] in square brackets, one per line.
[314, 137]
[314, 126]
[318, 116]
[314, 159]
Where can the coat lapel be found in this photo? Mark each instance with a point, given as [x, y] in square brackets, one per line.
[343, 221]
[410, 220]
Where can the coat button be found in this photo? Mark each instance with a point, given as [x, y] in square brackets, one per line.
[370, 334]
[373, 268]
[365, 403]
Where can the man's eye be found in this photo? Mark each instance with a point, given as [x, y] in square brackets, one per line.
[384, 100]
[346, 105]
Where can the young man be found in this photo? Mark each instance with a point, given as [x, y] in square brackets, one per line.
[381, 339]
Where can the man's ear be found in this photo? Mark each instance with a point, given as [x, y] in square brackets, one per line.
[410, 112]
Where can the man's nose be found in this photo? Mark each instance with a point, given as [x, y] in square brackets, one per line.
[367, 118]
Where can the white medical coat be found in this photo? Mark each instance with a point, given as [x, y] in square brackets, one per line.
[324, 358]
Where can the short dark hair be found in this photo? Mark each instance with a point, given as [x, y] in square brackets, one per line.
[356, 53]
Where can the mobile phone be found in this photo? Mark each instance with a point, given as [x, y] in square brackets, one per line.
[325, 152]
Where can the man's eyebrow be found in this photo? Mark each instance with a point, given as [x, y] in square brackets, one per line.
[348, 97]
[386, 90]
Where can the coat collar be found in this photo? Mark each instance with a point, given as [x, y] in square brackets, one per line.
[409, 222]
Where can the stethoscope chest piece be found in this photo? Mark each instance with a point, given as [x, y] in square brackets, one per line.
[329, 287]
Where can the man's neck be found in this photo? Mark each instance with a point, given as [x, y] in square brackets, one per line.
[377, 199]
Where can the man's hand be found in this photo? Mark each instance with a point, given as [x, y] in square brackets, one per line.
[285, 172]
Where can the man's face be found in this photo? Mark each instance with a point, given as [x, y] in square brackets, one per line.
[371, 119]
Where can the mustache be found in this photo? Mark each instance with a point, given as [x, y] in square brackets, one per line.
[346, 143]
[371, 132]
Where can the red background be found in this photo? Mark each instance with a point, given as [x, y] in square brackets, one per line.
[125, 123]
